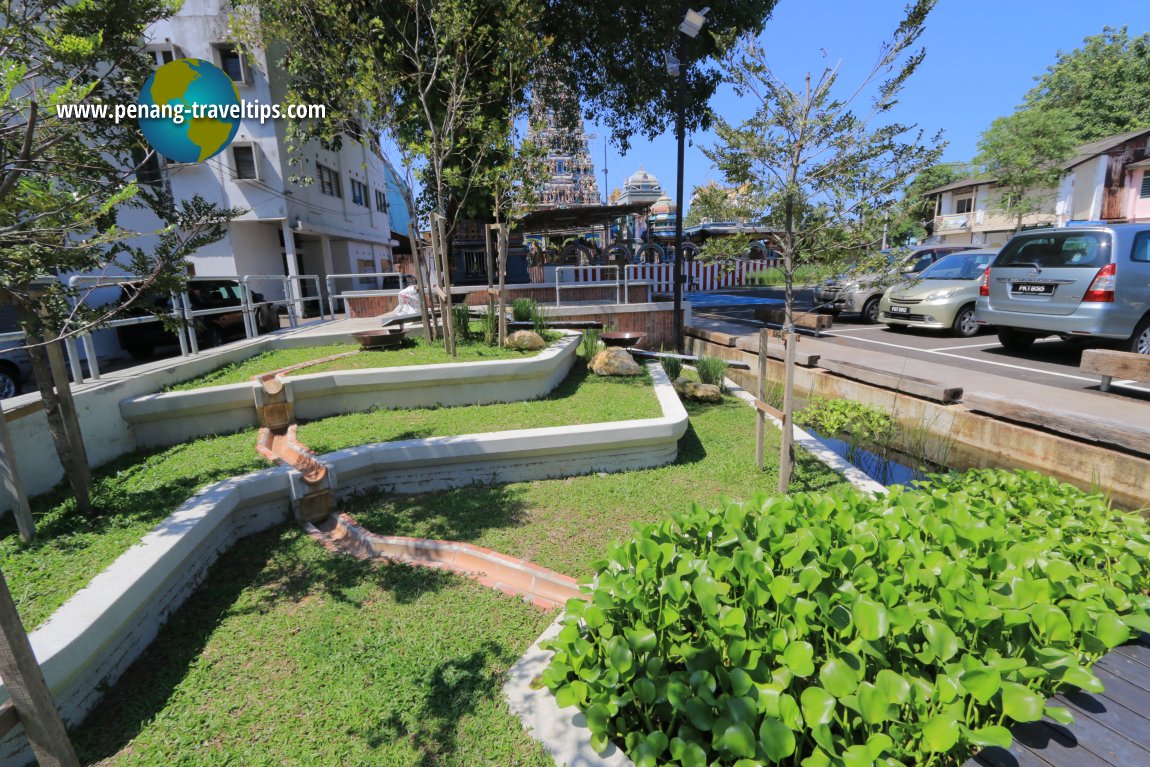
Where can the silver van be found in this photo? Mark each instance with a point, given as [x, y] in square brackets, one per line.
[1090, 282]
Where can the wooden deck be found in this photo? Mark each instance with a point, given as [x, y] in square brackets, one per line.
[1111, 729]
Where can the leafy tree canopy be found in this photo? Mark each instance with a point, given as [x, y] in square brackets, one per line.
[711, 202]
[1023, 153]
[1100, 87]
[909, 217]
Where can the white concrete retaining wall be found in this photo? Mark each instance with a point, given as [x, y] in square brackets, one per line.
[92, 639]
[168, 418]
[107, 435]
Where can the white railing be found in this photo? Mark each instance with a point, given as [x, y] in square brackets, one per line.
[291, 286]
[333, 280]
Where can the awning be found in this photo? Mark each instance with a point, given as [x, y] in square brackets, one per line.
[577, 217]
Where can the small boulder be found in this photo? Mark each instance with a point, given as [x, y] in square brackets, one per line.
[699, 392]
[613, 361]
[525, 341]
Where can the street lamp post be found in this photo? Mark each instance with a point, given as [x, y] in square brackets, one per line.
[692, 23]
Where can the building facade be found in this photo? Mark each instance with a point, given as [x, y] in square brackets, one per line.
[317, 212]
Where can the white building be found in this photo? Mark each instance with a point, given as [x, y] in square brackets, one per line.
[337, 224]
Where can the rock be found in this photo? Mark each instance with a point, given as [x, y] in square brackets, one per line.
[700, 392]
[525, 341]
[614, 362]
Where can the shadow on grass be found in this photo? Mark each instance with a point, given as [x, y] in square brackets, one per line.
[260, 574]
[448, 692]
[460, 514]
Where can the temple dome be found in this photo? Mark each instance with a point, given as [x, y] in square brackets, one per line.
[663, 205]
[641, 179]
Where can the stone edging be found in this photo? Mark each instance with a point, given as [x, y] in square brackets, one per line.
[564, 732]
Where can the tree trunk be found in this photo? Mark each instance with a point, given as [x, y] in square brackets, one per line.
[787, 440]
[56, 395]
[502, 283]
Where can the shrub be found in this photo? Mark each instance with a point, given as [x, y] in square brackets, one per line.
[523, 309]
[461, 319]
[490, 324]
[539, 319]
[711, 370]
[590, 343]
[672, 366]
[819, 629]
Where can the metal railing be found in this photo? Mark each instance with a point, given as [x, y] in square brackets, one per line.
[333, 296]
[293, 300]
[559, 271]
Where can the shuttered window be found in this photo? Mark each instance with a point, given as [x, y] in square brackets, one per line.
[1145, 184]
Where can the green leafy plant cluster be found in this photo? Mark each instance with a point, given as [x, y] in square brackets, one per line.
[461, 320]
[538, 318]
[672, 366]
[589, 345]
[490, 324]
[835, 417]
[523, 309]
[847, 630]
[711, 370]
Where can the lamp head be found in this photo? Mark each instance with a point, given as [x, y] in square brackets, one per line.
[693, 22]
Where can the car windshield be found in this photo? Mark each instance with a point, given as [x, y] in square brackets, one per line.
[1057, 250]
[958, 266]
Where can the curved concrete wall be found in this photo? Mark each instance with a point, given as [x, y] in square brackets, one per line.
[92, 639]
[171, 417]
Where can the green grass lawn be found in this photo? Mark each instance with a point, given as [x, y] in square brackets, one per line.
[566, 524]
[137, 491]
[581, 398]
[291, 655]
[774, 277]
[417, 351]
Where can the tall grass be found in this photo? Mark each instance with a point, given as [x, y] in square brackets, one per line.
[589, 346]
[523, 309]
[672, 366]
[538, 319]
[806, 274]
[461, 319]
[711, 370]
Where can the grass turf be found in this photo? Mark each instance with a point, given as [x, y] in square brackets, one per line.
[416, 351]
[581, 398]
[137, 491]
[292, 655]
[566, 524]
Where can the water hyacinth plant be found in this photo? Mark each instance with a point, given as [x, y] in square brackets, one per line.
[820, 630]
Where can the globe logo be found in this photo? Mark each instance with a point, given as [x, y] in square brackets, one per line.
[192, 110]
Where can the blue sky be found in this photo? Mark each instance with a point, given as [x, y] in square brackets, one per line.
[982, 57]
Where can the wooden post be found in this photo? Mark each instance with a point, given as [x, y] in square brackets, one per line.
[502, 248]
[30, 694]
[67, 406]
[439, 231]
[786, 450]
[10, 480]
[760, 416]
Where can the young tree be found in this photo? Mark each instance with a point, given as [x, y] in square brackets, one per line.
[62, 182]
[911, 217]
[1023, 154]
[824, 174]
[1100, 87]
[711, 202]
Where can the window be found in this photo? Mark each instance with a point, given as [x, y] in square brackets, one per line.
[1145, 184]
[233, 64]
[380, 201]
[328, 180]
[1059, 251]
[1141, 252]
[964, 205]
[359, 193]
[475, 263]
[165, 54]
[245, 162]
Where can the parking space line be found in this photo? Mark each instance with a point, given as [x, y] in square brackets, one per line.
[1131, 384]
[980, 361]
[859, 330]
[967, 346]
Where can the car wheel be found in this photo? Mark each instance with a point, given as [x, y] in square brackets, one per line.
[1015, 340]
[869, 314]
[9, 384]
[1140, 341]
[964, 325]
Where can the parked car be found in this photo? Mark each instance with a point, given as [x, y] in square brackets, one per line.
[1090, 282]
[141, 341]
[15, 367]
[941, 297]
[392, 282]
[861, 293]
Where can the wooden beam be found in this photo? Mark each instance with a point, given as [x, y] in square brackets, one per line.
[776, 351]
[29, 693]
[1083, 427]
[711, 336]
[1115, 364]
[919, 387]
[802, 320]
[770, 410]
[8, 718]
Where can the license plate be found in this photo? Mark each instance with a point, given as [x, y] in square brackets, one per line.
[1033, 288]
[900, 310]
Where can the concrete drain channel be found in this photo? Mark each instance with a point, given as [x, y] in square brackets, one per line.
[277, 441]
